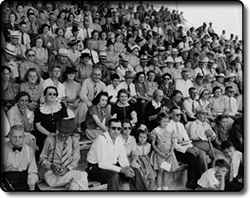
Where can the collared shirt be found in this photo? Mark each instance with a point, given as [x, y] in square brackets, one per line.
[113, 92]
[236, 160]
[187, 104]
[14, 68]
[106, 154]
[231, 105]
[197, 130]
[84, 71]
[61, 89]
[90, 89]
[152, 86]
[183, 86]
[130, 145]
[124, 85]
[23, 68]
[94, 55]
[69, 34]
[181, 135]
[73, 152]
[203, 71]
[26, 39]
[35, 92]
[120, 70]
[20, 161]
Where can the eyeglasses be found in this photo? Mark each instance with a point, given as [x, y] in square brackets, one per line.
[52, 94]
[231, 91]
[166, 78]
[30, 55]
[205, 94]
[127, 128]
[178, 114]
[116, 128]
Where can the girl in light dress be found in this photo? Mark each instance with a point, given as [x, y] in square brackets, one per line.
[163, 150]
[144, 150]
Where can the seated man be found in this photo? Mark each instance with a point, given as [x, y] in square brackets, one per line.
[201, 133]
[60, 156]
[108, 163]
[19, 169]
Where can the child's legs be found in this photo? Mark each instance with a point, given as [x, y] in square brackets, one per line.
[165, 178]
[159, 178]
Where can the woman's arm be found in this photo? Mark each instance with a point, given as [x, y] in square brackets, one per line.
[41, 129]
[99, 123]
[134, 118]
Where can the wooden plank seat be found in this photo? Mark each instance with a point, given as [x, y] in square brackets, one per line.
[85, 144]
[93, 186]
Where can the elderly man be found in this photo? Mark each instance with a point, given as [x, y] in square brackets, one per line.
[201, 133]
[91, 87]
[19, 169]
[108, 163]
[184, 83]
[60, 156]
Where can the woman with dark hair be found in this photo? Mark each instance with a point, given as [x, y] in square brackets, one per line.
[19, 114]
[205, 103]
[98, 116]
[32, 85]
[167, 85]
[61, 17]
[218, 105]
[46, 116]
[12, 25]
[59, 41]
[122, 109]
[221, 130]
[148, 48]
[69, 20]
[9, 89]
[45, 35]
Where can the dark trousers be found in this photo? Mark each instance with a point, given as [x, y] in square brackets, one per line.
[15, 181]
[233, 186]
[114, 179]
[193, 173]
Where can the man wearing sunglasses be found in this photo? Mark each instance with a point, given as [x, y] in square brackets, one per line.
[108, 163]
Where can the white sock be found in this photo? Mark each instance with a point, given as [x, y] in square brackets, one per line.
[165, 187]
[158, 188]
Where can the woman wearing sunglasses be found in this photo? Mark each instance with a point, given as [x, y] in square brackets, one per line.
[29, 63]
[204, 102]
[46, 116]
[129, 143]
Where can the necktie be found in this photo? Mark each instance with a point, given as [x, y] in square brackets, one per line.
[202, 72]
[65, 160]
[193, 107]
[230, 105]
[95, 89]
[231, 170]
[22, 39]
[87, 33]
[91, 56]
[128, 89]
[17, 149]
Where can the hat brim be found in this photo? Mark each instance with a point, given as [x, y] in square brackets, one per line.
[10, 52]
[73, 43]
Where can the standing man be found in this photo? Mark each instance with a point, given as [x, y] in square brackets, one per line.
[108, 163]
[19, 169]
[60, 157]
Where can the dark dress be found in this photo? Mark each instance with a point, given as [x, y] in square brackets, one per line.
[149, 111]
[48, 121]
[122, 112]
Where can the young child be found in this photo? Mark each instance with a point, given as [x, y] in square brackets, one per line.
[214, 178]
[143, 150]
[163, 146]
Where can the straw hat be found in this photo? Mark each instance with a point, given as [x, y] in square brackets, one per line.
[10, 49]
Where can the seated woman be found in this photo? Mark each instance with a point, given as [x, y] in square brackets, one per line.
[204, 102]
[122, 109]
[33, 87]
[217, 102]
[46, 116]
[9, 89]
[19, 114]
[112, 56]
[72, 95]
[129, 143]
[167, 86]
[98, 116]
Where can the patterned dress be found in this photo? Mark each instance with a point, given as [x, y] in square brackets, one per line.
[164, 139]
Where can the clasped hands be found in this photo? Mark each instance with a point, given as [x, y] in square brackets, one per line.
[59, 170]
[128, 171]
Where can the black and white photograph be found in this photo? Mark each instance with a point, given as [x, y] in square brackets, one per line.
[123, 96]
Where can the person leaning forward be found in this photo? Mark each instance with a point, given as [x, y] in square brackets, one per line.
[60, 156]
[108, 163]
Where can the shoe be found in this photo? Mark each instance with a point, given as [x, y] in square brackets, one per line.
[191, 185]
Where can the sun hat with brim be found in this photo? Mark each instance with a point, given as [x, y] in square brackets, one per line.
[220, 75]
[144, 58]
[204, 60]
[66, 126]
[63, 52]
[14, 34]
[161, 48]
[169, 60]
[52, 17]
[135, 47]
[201, 109]
[177, 111]
[129, 74]
[102, 55]
[73, 41]
[231, 75]
[199, 75]
[10, 49]
[177, 60]
[174, 51]
[44, 26]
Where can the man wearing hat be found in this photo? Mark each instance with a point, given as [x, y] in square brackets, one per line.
[230, 82]
[184, 83]
[201, 133]
[202, 67]
[195, 49]
[69, 33]
[24, 38]
[142, 67]
[8, 58]
[124, 66]
[210, 69]
[184, 43]
[219, 82]
[52, 23]
[96, 23]
[73, 53]
[84, 68]
[103, 66]
[94, 58]
[60, 157]
[186, 152]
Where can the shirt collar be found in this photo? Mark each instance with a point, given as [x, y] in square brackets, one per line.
[155, 105]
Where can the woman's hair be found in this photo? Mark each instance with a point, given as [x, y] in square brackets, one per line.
[226, 144]
[162, 115]
[59, 15]
[167, 74]
[39, 37]
[142, 129]
[14, 15]
[122, 91]
[138, 74]
[115, 76]
[219, 118]
[69, 16]
[4, 67]
[97, 99]
[156, 93]
[32, 70]
[216, 88]
[50, 87]
[57, 29]
[221, 163]
[29, 50]
[20, 95]
[201, 94]
[126, 121]
[175, 92]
